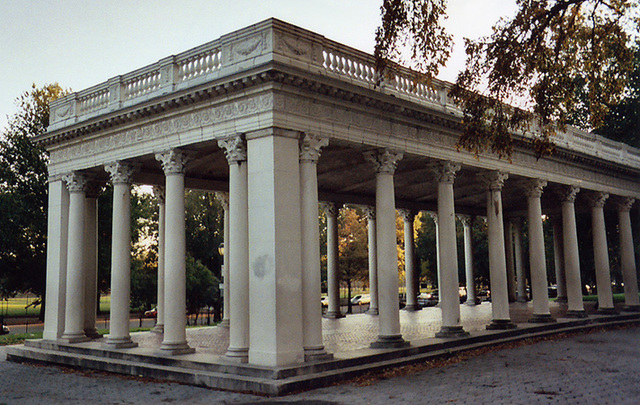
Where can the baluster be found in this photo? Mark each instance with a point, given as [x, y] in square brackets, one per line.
[340, 64]
[216, 59]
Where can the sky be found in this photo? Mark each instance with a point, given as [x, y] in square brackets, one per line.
[80, 43]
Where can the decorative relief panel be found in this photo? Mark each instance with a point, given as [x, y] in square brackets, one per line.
[248, 48]
[165, 128]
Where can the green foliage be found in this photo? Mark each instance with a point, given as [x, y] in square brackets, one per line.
[204, 227]
[144, 279]
[202, 286]
[411, 33]
[537, 67]
[18, 338]
[23, 194]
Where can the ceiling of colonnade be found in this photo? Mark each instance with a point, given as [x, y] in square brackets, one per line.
[345, 177]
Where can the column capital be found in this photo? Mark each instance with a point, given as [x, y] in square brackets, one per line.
[76, 182]
[223, 197]
[119, 173]
[445, 172]
[533, 187]
[159, 192]
[466, 220]
[625, 203]
[93, 189]
[173, 161]
[384, 161]
[568, 193]
[310, 146]
[598, 199]
[407, 214]
[434, 216]
[235, 148]
[370, 212]
[329, 208]
[493, 180]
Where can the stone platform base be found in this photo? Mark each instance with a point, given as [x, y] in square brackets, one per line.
[214, 371]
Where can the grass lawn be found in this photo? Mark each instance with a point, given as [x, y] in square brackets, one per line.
[17, 338]
[616, 298]
[16, 307]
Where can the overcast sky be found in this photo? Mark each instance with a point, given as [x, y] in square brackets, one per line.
[80, 43]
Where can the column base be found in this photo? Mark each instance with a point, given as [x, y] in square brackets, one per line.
[92, 333]
[542, 318]
[562, 300]
[471, 303]
[159, 328]
[316, 354]
[501, 324]
[412, 308]
[224, 323]
[521, 299]
[176, 348]
[74, 338]
[119, 343]
[389, 342]
[450, 332]
[372, 311]
[607, 311]
[240, 355]
[334, 315]
[577, 314]
[631, 308]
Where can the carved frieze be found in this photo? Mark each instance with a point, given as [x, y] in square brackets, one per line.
[164, 128]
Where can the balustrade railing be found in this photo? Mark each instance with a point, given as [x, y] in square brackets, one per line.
[204, 63]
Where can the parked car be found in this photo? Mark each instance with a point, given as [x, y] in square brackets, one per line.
[152, 313]
[5, 330]
[428, 299]
[361, 299]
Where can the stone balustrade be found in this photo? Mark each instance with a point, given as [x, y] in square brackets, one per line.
[276, 41]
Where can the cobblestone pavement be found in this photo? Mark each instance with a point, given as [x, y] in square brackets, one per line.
[600, 367]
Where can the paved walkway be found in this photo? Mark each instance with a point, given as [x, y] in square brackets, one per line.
[356, 332]
[601, 367]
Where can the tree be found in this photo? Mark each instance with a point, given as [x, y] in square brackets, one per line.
[528, 75]
[352, 246]
[204, 227]
[23, 194]
[202, 287]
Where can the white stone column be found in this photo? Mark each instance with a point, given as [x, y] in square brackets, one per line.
[310, 147]
[537, 262]
[370, 212]
[601, 253]
[226, 300]
[159, 192]
[511, 269]
[449, 294]
[434, 216]
[236, 151]
[57, 238]
[120, 176]
[410, 268]
[497, 259]
[384, 163]
[558, 259]
[175, 274]
[333, 271]
[571, 262]
[275, 257]
[627, 257]
[74, 309]
[521, 279]
[91, 260]
[467, 226]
